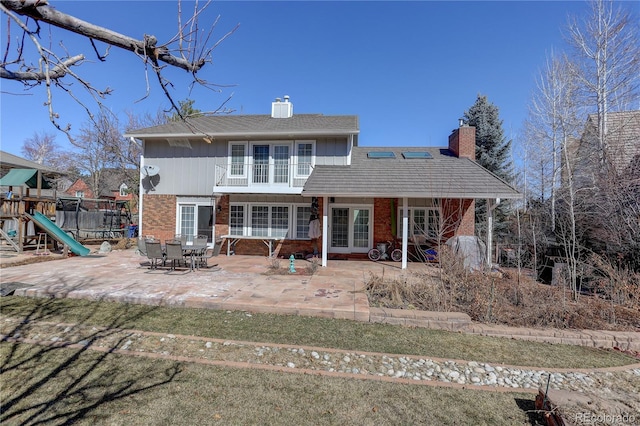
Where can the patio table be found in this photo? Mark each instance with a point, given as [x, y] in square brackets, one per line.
[268, 241]
[193, 251]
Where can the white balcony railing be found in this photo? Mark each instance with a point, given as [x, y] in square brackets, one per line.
[284, 174]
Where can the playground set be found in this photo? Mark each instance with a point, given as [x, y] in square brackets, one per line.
[40, 221]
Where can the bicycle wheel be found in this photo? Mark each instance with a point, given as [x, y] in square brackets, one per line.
[396, 255]
[374, 254]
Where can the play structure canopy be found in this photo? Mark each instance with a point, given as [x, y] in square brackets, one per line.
[28, 177]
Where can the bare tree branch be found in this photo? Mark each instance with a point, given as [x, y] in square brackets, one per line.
[185, 50]
[40, 11]
[54, 73]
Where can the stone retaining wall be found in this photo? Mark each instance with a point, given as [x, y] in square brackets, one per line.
[456, 321]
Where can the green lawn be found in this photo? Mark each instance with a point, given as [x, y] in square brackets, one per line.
[311, 331]
[63, 386]
[49, 385]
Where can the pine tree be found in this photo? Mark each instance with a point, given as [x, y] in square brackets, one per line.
[493, 153]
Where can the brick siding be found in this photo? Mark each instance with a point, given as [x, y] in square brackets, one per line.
[160, 221]
[382, 220]
[458, 217]
[159, 216]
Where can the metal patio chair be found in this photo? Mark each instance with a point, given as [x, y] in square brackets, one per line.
[203, 259]
[174, 253]
[154, 253]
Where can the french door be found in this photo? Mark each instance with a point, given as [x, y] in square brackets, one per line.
[271, 164]
[351, 229]
[261, 164]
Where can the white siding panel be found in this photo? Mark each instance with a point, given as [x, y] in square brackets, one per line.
[331, 152]
[185, 171]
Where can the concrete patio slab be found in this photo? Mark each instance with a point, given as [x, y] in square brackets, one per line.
[231, 283]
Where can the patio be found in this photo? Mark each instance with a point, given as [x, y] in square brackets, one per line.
[234, 283]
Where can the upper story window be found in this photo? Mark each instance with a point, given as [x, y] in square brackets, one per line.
[281, 162]
[237, 159]
[306, 154]
[80, 194]
[124, 189]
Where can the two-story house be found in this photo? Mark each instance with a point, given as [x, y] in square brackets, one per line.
[256, 179]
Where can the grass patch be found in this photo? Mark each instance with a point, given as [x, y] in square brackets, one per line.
[297, 330]
[77, 386]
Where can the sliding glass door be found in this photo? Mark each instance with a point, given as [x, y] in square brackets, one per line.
[195, 220]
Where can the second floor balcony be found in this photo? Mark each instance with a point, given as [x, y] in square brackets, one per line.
[276, 174]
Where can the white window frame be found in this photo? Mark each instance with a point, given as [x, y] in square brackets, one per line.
[294, 226]
[79, 194]
[123, 190]
[271, 162]
[411, 213]
[292, 229]
[195, 204]
[245, 230]
[350, 243]
[297, 158]
[245, 160]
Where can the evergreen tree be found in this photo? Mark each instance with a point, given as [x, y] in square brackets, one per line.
[493, 153]
[186, 110]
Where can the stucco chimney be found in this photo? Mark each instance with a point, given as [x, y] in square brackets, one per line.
[280, 109]
[462, 141]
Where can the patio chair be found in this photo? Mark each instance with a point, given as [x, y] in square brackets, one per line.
[142, 244]
[174, 253]
[203, 259]
[200, 240]
[182, 238]
[154, 252]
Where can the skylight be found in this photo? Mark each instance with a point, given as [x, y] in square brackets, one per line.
[416, 154]
[380, 154]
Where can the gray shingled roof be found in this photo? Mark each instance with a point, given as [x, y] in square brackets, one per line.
[443, 176]
[623, 136]
[8, 160]
[253, 125]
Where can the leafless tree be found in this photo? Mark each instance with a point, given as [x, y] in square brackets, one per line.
[551, 124]
[190, 49]
[41, 148]
[606, 63]
[97, 149]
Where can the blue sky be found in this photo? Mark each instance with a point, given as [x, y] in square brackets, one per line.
[409, 70]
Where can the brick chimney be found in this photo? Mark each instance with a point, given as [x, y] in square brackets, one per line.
[462, 141]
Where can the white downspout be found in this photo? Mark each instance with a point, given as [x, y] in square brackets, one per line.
[140, 194]
[325, 229]
[405, 231]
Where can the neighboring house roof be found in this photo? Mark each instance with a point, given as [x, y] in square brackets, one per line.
[623, 140]
[624, 136]
[442, 176]
[253, 125]
[112, 179]
[110, 182]
[11, 161]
